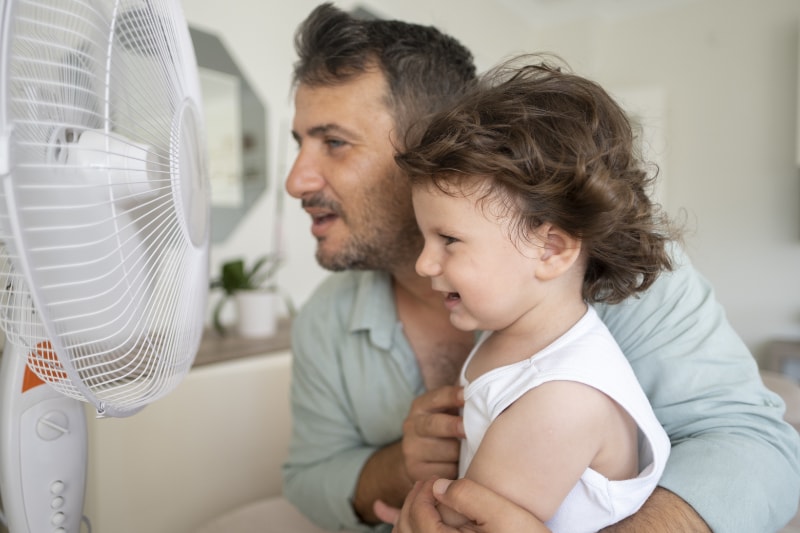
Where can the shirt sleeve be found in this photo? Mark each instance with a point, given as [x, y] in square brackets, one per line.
[729, 440]
[326, 452]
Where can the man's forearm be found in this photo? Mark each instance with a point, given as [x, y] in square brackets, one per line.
[663, 512]
[384, 478]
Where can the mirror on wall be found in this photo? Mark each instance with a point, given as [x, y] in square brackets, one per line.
[236, 131]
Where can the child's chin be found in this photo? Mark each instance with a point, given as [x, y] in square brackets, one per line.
[463, 323]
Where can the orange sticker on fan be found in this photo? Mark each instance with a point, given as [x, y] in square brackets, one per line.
[45, 361]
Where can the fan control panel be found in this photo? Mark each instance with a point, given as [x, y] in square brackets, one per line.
[51, 430]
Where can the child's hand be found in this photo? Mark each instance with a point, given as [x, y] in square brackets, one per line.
[386, 512]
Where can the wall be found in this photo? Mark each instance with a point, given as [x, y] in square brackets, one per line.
[727, 70]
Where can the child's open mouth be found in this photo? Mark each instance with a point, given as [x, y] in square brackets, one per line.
[451, 299]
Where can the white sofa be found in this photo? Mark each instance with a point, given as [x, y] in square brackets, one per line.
[214, 444]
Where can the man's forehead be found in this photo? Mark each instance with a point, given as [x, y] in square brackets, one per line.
[345, 108]
[368, 86]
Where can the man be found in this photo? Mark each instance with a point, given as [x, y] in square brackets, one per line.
[375, 355]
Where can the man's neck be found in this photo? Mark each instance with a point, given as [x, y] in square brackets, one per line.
[411, 288]
[439, 347]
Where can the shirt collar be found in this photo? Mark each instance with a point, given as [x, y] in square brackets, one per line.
[374, 308]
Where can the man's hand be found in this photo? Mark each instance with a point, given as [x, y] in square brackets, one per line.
[663, 511]
[420, 513]
[430, 447]
[488, 511]
[431, 434]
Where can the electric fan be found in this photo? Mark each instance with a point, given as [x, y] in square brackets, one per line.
[104, 223]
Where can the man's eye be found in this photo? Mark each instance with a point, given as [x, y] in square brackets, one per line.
[334, 143]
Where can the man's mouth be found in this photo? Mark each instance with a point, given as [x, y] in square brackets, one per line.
[319, 219]
[322, 216]
[321, 222]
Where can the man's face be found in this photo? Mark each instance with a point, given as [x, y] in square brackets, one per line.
[346, 177]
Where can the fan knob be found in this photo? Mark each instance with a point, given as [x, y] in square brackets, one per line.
[52, 425]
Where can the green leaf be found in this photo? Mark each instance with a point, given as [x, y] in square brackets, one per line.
[234, 276]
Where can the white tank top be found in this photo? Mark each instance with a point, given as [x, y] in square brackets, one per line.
[588, 354]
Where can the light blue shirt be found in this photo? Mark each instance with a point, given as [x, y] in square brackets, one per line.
[354, 378]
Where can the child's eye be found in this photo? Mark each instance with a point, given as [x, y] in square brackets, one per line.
[448, 239]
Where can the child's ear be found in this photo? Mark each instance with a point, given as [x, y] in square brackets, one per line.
[559, 251]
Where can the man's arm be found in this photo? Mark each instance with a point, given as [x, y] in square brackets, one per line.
[383, 478]
[326, 453]
[663, 512]
[729, 442]
[493, 513]
[346, 405]
[429, 447]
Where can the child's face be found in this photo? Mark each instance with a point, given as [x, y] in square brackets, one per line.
[487, 279]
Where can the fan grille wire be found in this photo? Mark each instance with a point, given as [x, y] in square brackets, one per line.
[106, 279]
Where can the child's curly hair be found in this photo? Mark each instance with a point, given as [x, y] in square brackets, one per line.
[562, 151]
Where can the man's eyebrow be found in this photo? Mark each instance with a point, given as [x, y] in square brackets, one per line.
[326, 129]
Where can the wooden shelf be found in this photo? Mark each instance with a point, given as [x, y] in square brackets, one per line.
[215, 348]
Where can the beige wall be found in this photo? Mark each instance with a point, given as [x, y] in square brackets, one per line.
[727, 73]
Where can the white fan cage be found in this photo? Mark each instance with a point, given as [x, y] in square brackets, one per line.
[104, 209]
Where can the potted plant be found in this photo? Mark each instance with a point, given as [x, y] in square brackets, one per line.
[254, 291]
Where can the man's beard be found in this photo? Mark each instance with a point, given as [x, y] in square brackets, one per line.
[382, 236]
[378, 249]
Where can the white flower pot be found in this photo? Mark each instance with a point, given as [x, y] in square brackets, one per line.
[257, 313]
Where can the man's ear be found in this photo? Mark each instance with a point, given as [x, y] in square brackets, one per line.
[559, 251]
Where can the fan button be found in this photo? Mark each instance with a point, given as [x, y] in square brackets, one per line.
[57, 502]
[58, 519]
[56, 488]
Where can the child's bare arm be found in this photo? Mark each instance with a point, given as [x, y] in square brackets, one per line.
[538, 448]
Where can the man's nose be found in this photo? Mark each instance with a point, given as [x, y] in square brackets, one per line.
[305, 175]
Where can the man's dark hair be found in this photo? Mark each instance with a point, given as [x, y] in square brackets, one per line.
[425, 69]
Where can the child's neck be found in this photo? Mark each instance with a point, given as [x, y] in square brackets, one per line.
[526, 337]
